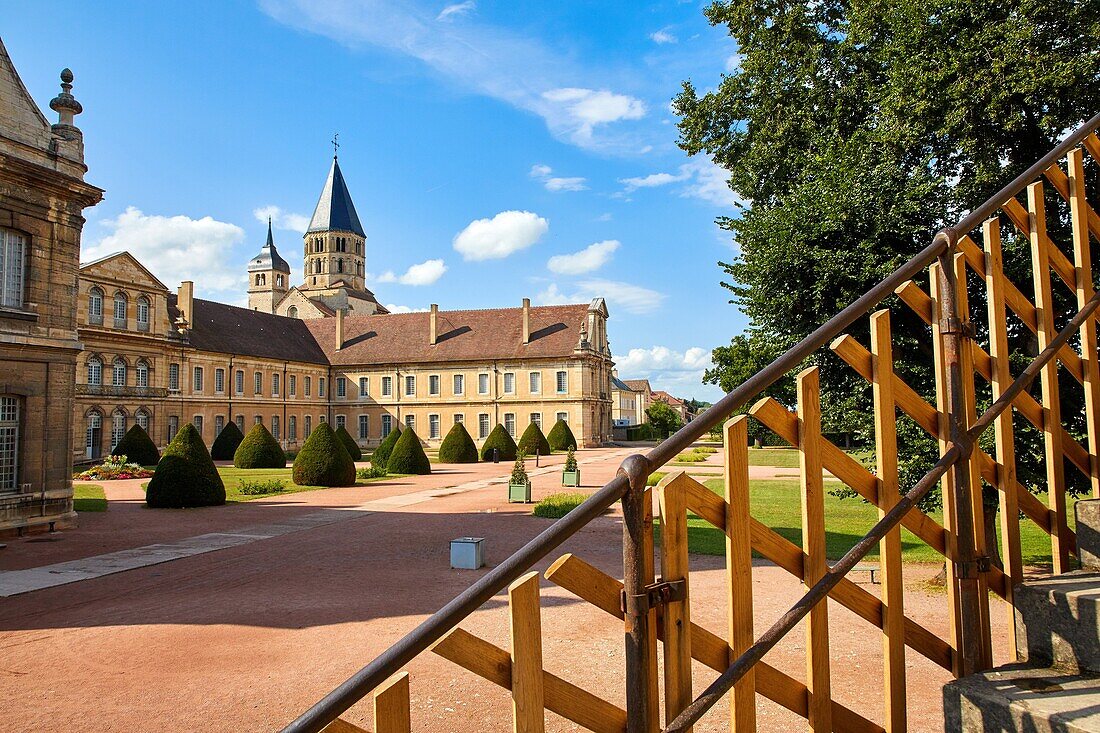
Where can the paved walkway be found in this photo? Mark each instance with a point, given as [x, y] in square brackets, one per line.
[15, 582]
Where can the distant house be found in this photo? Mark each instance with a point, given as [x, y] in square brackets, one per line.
[687, 414]
[626, 407]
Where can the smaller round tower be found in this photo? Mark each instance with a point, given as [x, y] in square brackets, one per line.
[268, 277]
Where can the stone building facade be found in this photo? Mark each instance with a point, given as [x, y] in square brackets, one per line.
[42, 197]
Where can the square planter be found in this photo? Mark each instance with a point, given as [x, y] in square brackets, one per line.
[571, 478]
[467, 553]
[519, 493]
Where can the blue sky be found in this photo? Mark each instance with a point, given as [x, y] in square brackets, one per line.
[494, 150]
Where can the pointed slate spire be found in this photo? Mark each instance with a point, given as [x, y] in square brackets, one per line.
[269, 258]
[270, 239]
[335, 211]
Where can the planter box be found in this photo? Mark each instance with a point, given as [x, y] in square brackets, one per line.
[571, 478]
[519, 493]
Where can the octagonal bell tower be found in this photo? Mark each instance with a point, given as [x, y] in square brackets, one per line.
[335, 243]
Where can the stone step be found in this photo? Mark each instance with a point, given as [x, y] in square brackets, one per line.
[1058, 621]
[1022, 698]
[1087, 513]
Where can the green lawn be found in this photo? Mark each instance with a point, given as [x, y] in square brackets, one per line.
[89, 498]
[776, 504]
[232, 478]
[777, 457]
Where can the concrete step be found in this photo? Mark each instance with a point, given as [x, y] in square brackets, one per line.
[1087, 512]
[1022, 698]
[1058, 621]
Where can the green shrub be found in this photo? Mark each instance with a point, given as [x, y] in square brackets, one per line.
[291, 455]
[458, 446]
[349, 443]
[323, 460]
[138, 447]
[502, 441]
[258, 488]
[225, 445]
[705, 450]
[408, 455]
[533, 441]
[259, 449]
[186, 475]
[570, 461]
[655, 478]
[690, 457]
[519, 472]
[641, 432]
[381, 454]
[557, 506]
[561, 437]
[371, 471]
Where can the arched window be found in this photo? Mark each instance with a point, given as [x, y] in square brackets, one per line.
[141, 417]
[95, 371]
[292, 311]
[118, 373]
[279, 280]
[143, 313]
[118, 427]
[317, 266]
[93, 435]
[95, 306]
[142, 373]
[120, 309]
[339, 265]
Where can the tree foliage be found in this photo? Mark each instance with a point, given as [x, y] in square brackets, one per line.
[227, 442]
[259, 449]
[502, 442]
[382, 453]
[533, 441]
[323, 460]
[561, 437]
[138, 447]
[458, 446]
[349, 443]
[186, 475]
[663, 418]
[408, 455]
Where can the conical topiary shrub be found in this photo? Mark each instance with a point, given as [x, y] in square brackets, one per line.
[458, 446]
[349, 443]
[408, 455]
[533, 441]
[259, 449]
[561, 437]
[502, 441]
[381, 454]
[138, 447]
[323, 460]
[225, 445]
[186, 475]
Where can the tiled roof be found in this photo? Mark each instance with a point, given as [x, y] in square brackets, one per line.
[269, 258]
[465, 335]
[620, 385]
[335, 211]
[228, 329]
[666, 397]
[638, 385]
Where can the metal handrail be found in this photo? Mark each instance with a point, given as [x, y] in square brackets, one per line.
[436, 626]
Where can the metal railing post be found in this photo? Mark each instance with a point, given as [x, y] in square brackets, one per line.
[640, 627]
[954, 327]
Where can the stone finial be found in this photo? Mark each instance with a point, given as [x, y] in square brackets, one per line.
[65, 103]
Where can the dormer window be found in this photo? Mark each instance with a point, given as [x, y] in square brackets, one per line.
[12, 257]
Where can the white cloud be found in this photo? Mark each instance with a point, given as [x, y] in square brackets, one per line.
[733, 63]
[542, 173]
[425, 273]
[704, 180]
[456, 10]
[652, 180]
[282, 219]
[177, 248]
[392, 308]
[679, 373]
[498, 62]
[606, 216]
[589, 259]
[506, 233]
[663, 36]
[631, 298]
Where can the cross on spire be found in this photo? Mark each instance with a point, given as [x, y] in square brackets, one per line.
[335, 144]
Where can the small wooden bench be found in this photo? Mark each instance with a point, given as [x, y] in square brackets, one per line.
[871, 568]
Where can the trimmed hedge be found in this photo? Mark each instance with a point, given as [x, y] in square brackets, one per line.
[349, 443]
[186, 475]
[408, 455]
[501, 440]
[381, 454]
[561, 437]
[259, 449]
[458, 446]
[533, 441]
[225, 445]
[323, 460]
[138, 447]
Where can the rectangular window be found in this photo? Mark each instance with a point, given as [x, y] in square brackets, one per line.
[292, 428]
[95, 306]
[142, 374]
[275, 427]
[536, 382]
[341, 387]
[12, 257]
[219, 381]
[142, 419]
[410, 386]
[483, 425]
[341, 422]
[536, 418]
[238, 382]
[174, 377]
[258, 383]
[483, 384]
[173, 426]
[459, 384]
[275, 384]
[120, 311]
[364, 427]
[563, 416]
[322, 418]
[433, 384]
[143, 314]
[95, 372]
[387, 425]
[320, 386]
[509, 383]
[9, 443]
[459, 418]
[433, 426]
[239, 419]
[364, 387]
[196, 380]
[307, 425]
[119, 373]
[292, 385]
[258, 419]
[118, 428]
[410, 422]
[563, 382]
[510, 423]
[219, 424]
[308, 385]
[387, 386]
[197, 422]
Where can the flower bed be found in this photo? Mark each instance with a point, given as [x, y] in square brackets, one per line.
[114, 468]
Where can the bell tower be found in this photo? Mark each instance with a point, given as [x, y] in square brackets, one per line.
[335, 243]
[268, 277]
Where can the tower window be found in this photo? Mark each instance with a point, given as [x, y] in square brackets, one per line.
[279, 280]
[339, 265]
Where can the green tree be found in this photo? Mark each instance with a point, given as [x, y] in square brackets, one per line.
[227, 442]
[259, 449]
[458, 446]
[408, 455]
[663, 418]
[533, 441]
[561, 437]
[349, 443]
[185, 476]
[323, 460]
[500, 440]
[138, 448]
[381, 454]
